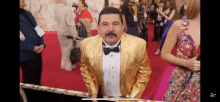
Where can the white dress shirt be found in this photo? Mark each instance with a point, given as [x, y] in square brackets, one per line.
[111, 71]
[158, 16]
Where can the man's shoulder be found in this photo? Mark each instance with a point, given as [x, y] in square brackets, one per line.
[139, 41]
[135, 40]
[27, 11]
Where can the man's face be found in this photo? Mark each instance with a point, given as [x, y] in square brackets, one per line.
[110, 28]
[22, 4]
[160, 4]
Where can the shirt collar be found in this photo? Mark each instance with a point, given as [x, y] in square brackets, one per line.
[108, 46]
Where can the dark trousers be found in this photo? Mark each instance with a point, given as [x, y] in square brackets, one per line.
[31, 70]
[144, 33]
[158, 31]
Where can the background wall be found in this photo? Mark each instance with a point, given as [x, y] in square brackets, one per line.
[43, 12]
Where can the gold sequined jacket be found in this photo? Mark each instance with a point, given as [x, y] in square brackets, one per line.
[135, 66]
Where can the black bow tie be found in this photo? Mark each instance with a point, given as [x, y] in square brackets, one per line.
[108, 50]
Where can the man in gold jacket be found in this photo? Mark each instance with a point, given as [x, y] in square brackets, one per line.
[129, 66]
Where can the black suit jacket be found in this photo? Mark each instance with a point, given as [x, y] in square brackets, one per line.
[156, 14]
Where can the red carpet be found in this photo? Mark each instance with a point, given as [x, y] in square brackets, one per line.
[54, 76]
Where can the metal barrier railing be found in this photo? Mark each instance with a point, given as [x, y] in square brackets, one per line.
[65, 91]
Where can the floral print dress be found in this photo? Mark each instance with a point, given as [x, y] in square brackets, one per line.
[182, 87]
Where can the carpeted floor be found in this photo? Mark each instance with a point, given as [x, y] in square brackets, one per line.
[54, 76]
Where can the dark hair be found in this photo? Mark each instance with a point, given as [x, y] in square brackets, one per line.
[84, 3]
[110, 10]
[172, 6]
[161, 1]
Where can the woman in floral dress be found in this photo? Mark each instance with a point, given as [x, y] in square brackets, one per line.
[181, 82]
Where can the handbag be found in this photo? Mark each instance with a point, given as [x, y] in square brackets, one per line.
[75, 53]
[82, 31]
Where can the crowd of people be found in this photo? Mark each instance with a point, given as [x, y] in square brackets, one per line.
[123, 40]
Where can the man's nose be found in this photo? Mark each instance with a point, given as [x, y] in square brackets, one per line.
[111, 28]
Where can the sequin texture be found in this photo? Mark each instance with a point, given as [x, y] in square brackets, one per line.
[179, 76]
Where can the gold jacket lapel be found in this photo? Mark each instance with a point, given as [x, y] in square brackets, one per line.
[124, 60]
[98, 59]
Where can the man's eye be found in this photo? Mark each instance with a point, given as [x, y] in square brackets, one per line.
[116, 23]
[104, 24]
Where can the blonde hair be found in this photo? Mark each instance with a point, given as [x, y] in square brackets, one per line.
[193, 9]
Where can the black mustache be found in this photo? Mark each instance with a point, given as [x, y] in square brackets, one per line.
[110, 33]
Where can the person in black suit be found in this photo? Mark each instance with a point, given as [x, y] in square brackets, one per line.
[31, 47]
[158, 21]
[129, 14]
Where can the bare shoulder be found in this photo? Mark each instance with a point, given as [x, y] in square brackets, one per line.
[177, 23]
[174, 29]
[173, 11]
